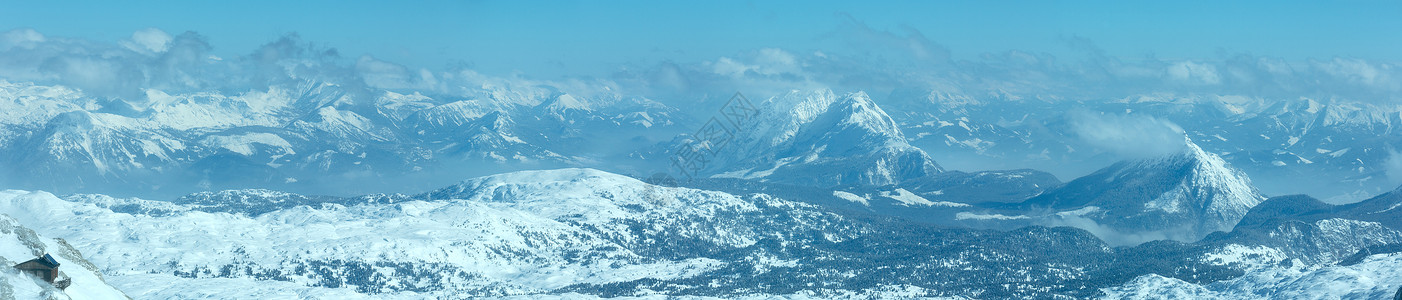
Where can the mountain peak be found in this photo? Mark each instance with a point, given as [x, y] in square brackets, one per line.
[453, 114]
[1183, 196]
[820, 139]
[1189, 156]
[565, 102]
[1212, 172]
[857, 109]
[495, 121]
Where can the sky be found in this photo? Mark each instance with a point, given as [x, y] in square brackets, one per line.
[581, 38]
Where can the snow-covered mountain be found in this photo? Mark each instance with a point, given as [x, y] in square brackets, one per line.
[1291, 247]
[96, 147]
[1183, 196]
[498, 246]
[1304, 228]
[819, 138]
[289, 134]
[1375, 278]
[551, 232]
[292, 135]
[1286, 257]
[1340, 144]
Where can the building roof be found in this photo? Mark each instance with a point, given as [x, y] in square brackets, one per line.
[49, 261]
[46, 261]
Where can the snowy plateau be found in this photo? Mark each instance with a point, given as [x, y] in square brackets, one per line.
[317, 189]
[575, 233]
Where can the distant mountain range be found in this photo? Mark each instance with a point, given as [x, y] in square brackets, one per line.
[290, 136]
[309, 136]
[1339, 144]
[811, 194]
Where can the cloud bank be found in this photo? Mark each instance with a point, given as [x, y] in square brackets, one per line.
[854, 57]
[1393, 166]
[1128, 136]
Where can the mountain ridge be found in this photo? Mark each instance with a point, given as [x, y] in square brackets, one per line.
[1188, 195]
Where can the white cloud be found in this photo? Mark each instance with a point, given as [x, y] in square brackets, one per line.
[149, 40]
[853, 57]
[150, 59]
[1360, 72]
[1116, 237]
[387, 75]
[774, 61]
[1393, 167]
[909, 45]
[1128, 136]
[382, 74]
[730, 67]
[23, 37]
[1196, 73]
[93, 74]
[766, 62]
[1352, 70]
[1275, 66]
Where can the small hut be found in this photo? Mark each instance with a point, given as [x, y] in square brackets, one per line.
[44, 267]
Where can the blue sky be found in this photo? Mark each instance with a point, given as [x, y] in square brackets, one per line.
[590, 38]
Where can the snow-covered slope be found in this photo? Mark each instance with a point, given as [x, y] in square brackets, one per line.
[818, 138]
[1377, 277]
[551, 232]
[983, 186]
[25, 107]
[492, 137]
[1184, 196]
[19, 244]
[516, 233]
[1304, 228]
[79, 147]
[296, 134]
[436, 118]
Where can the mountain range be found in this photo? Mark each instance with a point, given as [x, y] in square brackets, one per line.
[812, 193]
